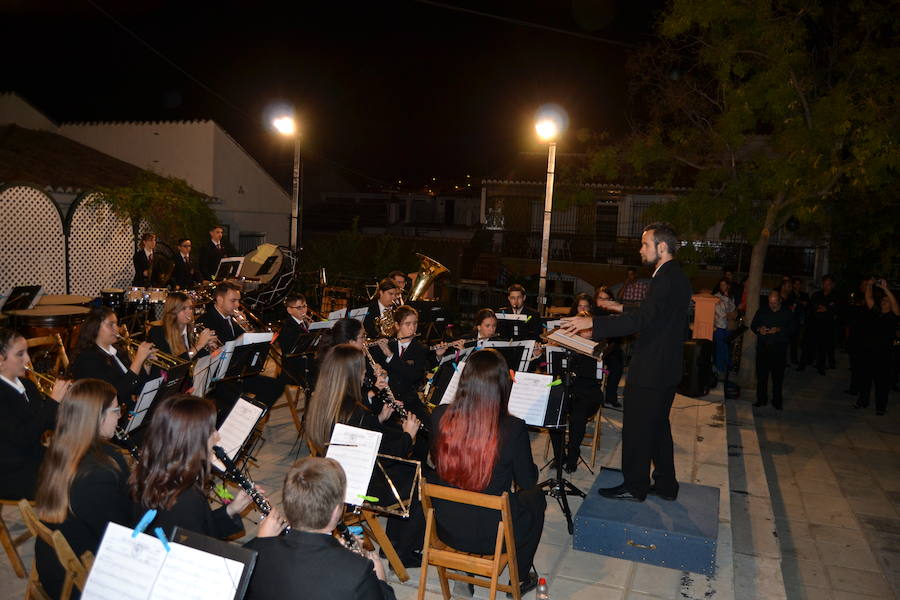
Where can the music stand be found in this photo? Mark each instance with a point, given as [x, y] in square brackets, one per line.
[172, 381]
[305, 346]
[21, 297]
[228, 268]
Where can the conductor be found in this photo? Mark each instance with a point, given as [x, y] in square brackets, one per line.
[656, 365]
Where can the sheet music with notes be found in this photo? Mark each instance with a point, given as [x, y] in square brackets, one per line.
[321, 325]
[359, 313]
[145, 399]
[236, 428]
[254, 338]
[220, 367]
[202, 371]
[528, 397]
[139, 568]
[450, 393]
[356, 449]
[511, 317]
[526, 355]
[452, 356]
[337, 314]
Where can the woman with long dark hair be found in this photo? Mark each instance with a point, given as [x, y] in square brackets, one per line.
[25, 414]
[478, 446]
[83, 481]
[613, 356]
[96, 356]
[176, 334]
[174, 470]
[582, 303]
[405, 359]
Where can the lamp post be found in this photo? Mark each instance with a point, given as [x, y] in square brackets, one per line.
[287, 127]
[547, 130]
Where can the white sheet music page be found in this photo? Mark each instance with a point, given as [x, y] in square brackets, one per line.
[451, 355]
[356, 449]
[450, 392]
[202, 371]
[359, 313]
[512, 317]
[337, 314]
[528, 397]
[321, 325]
[221, 366]
[145, 399]
[254, 338]
[237, 428]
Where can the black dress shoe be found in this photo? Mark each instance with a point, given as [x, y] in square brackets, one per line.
[570, 467]
[658, 494]
[620, 492]
[526, 585]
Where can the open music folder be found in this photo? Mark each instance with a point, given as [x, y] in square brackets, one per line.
[356, 449]
[236, 428]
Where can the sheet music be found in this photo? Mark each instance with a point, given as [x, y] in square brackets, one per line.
[451, 355]
[321, 325]
[254, 338]
[357, 457]
[526, 355]
[554, 324]
[145, 399]
[337, 314]
[139, 568]
[237, 428]
[359, 313]
[512, 317]
[221, 366]
[450, 392]
[528, 397]
[202, 371]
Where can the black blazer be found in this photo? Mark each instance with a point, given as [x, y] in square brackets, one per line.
[141, 264]
[466, 526]
[94, 363]
[225, 327]
[369, 321]
[98, 494]
[191, 511]
[291, 367]
[529, 330]
[314, 566]
[185, 274]
[210, 257]
[22, 423]
[405, 373]
[661, 319]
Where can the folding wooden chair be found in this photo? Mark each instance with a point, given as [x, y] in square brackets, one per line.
[489, 566]
[34, 588]
[56, 346]
[77, 569]
[11, 545]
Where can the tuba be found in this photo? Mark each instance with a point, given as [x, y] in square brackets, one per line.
[429, 270]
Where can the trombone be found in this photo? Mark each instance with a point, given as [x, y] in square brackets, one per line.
[163, 360]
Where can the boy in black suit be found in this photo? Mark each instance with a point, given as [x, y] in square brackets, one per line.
[307, 560]
[212, 252]
[144, 261]
[520, 330]
[385, 301]
[655, 369]
[185, 273]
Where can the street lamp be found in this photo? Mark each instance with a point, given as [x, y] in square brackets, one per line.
[287, 126]
[547, 129]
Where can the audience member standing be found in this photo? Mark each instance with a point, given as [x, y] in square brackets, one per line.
[725, 309]
[878, 333]
[773, 325]
[801, 305]
[823, 313]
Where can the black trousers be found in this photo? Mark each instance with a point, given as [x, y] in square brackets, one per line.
[824, 341]
[770, 361]
[614, 362]
[647, 438]
[876, 368]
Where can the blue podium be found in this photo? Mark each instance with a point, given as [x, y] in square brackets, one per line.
[679, 535]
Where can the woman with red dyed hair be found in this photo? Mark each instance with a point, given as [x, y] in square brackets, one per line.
[478, 446]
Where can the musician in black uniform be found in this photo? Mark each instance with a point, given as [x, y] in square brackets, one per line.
[613, 356]
[25, 414]
[220, 318]
[176, 334]
[97, 356]
[212, 252]
[185, 273]
[385, 300]
[529, 329]
[294, 367]
[145, 261]
[350, 331]
[399, 278]
[656, 367]
[308, 557]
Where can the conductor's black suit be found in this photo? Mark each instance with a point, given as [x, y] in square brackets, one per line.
[654, 373]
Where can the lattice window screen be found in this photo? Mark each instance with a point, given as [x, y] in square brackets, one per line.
[100, 248]
[32, 247]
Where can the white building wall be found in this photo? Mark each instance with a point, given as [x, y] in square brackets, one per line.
[14, 110]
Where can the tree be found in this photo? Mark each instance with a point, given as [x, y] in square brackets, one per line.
[171, 207]
[767, 110]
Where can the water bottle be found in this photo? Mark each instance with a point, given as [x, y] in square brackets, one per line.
[543, 590]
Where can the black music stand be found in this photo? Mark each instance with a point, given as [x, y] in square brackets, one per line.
[304, 347]
[173, 382]
[21, 297]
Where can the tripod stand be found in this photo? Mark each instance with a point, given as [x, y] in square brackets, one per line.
[559, 487]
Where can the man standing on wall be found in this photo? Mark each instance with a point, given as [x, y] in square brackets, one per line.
[655, 371]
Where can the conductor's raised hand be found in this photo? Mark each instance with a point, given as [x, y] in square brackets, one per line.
[576, 324]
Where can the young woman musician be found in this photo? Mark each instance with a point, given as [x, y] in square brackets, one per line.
[613, 356]
[175, 468]
[337, 399]
[25, 414]
[176, 334]
[405, 359]
[478, 446]
[485, 326]
[97, 357]
[582, 303]
[83, 481]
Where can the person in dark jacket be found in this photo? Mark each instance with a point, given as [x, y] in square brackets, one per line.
[145, 264]
[83, 482]
[386, 299]
[185, 273]
[823, 323]
[478, 446]
[295, 367]
[531, 328]
[878, 337]
[307, 561]
[212, 252]
[25, 414]
[655, 371]
[774, 325]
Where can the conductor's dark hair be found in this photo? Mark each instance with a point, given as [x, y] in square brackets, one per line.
[663, 232]
[516, 287]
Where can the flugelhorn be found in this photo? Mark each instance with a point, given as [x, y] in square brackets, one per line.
[43, 381]
[163, 360]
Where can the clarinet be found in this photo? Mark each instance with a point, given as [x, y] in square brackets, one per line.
[389, 395]
[351, 541]
[126, 441]
[245, 484]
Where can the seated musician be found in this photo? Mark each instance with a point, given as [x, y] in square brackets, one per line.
[145, 261]
[294, 367]
[399, 279]
[83, 481]
[386, 299]
[522, 330]
[185, 273]
[405, 359]
[337, 399]
[176, 334]
[478, 446]
[25, 414]
[97, 357]
[613, 356]
[174, 471]
[350, 331]
[308, 558]
[485, 326]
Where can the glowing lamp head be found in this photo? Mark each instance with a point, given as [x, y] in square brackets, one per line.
[285, 125]
[546, 129]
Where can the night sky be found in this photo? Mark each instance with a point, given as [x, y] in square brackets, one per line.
[395, 89]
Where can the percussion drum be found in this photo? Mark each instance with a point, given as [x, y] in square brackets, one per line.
[135, 295]
[63, 300]
[63, 319]
[157, 295]
[113, 298]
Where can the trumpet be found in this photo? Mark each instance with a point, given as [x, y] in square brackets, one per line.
[43, 381]
[163, 360]
[247, 321]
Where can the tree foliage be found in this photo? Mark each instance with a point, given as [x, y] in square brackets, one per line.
[356, 255]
